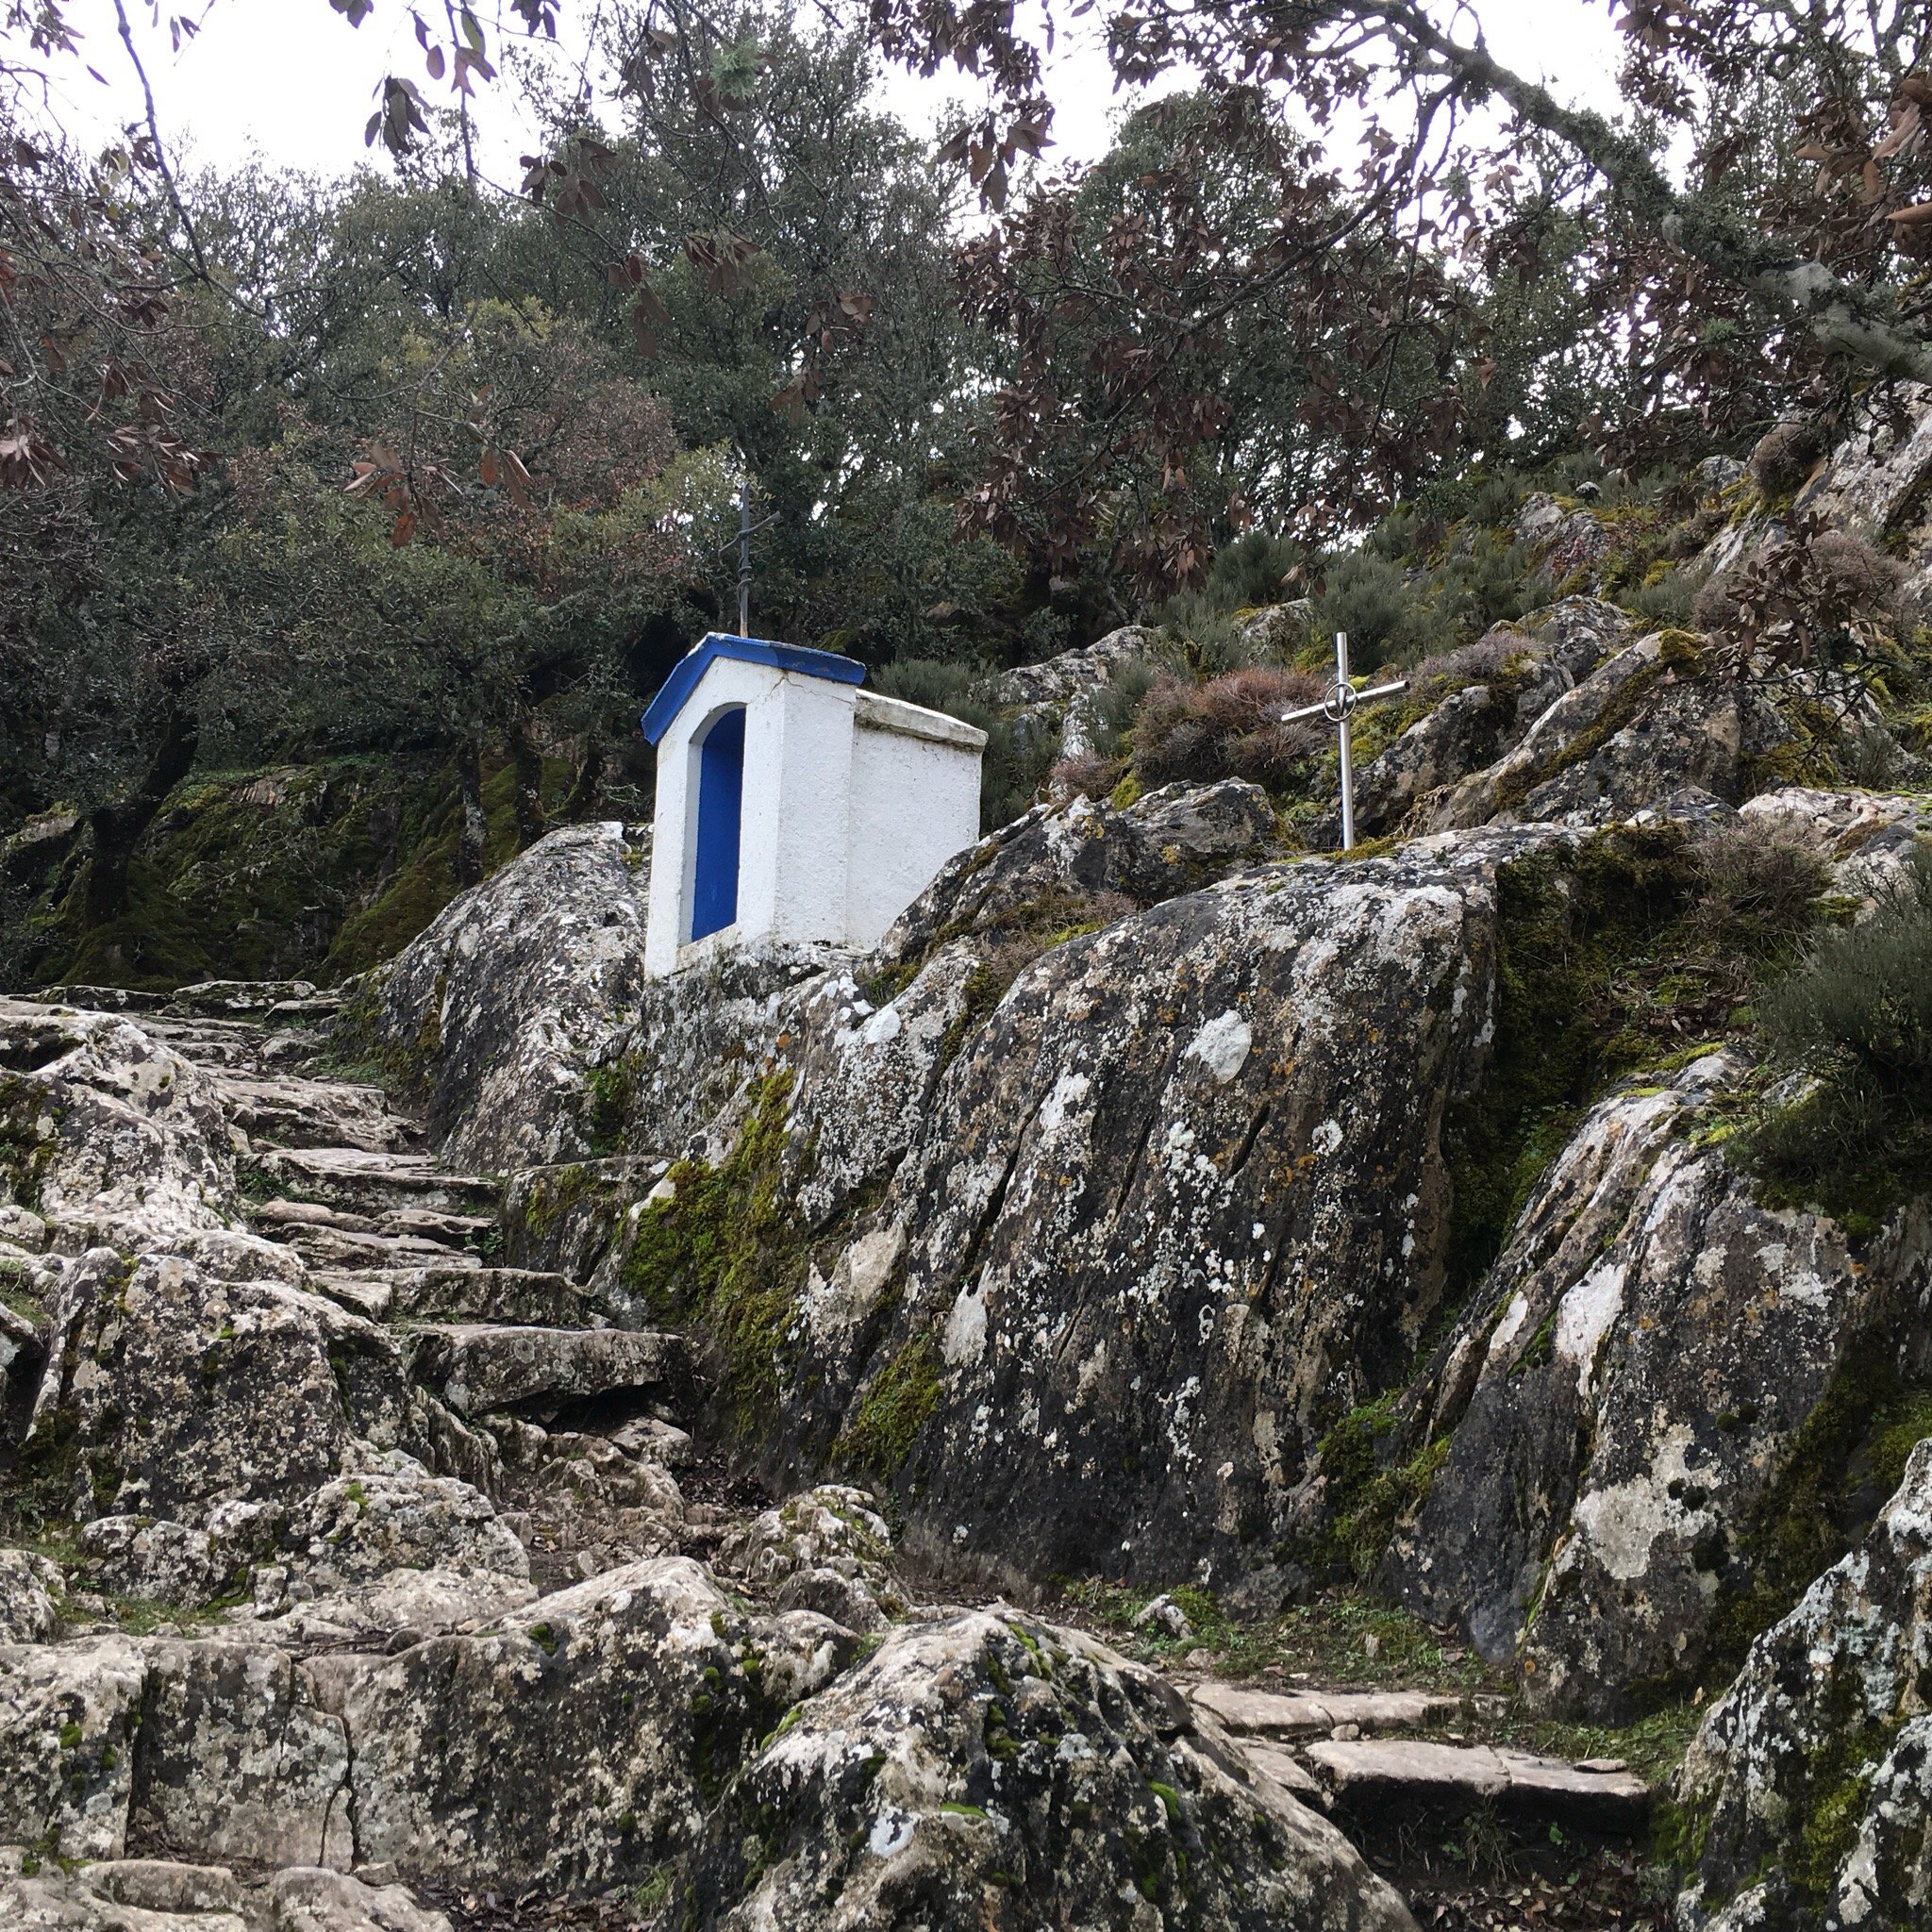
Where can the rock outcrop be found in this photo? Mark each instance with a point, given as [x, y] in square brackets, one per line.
[1808, 1790]
[495, 1013]
[1613, 1414]
[994, 1770]
[1176, 1202]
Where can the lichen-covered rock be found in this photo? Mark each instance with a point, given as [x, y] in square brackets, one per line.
[1867, 838]
[1055, 680]
[29, 1583]
[105, 1131]
[1527, 670]
[827, 1550]
[572, 1743]
[237, 1760]
[68, 1716]
[167, 1392]
[498, 1010]
[1057, 864]
[989, 1774]
[312, 1899]
[363, 1524]
[1649, 725]
[478, 1368]
[120, 1895]
[1810, 1787]
[1178, 1202]
[154, 1559]
[1623, 1393]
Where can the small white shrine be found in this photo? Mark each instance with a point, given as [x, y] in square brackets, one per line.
[793, 805]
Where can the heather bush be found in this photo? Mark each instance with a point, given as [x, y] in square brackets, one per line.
[1855, 1015]
[1227, 727]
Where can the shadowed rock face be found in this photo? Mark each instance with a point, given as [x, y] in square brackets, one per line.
[1176, 1206]
[1810, 1783]
[1622, 1393]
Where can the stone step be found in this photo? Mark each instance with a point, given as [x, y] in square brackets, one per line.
[285, 1112]
[455, 1234]
[234, 1044]
[480, 1368]
[224, 999]
[506, 1297]
[452, 1230]
[1319, 1713]
[376, 1183]
[1382, 1781]
[99, 999]
[344, 1248]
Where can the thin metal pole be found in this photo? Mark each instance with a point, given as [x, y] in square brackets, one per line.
[744, 555]
[1342, 691]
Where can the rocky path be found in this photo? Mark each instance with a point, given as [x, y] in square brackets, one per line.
[569, 1430]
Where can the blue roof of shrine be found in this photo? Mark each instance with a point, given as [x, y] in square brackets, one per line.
[689, 669]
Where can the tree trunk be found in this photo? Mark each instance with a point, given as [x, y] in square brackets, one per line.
[474, 828]
[530, 771]
[583, 790]
[117, 828]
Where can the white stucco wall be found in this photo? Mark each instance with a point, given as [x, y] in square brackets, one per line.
[851, 804]
[915, 801]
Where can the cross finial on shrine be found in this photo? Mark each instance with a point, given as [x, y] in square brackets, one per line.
[1338, 708]
[746, 531]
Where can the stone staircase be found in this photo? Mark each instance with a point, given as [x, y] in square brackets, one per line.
[387, 1230]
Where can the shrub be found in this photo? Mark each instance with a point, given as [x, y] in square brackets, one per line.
[1252, 570]
[1228, 728]
[1368, 599]
[1758, 891]
[1857, 1016]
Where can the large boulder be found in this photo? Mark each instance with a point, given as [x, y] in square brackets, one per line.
[573, 1744]
[991, 1773]
[105, 1133]
[1652, 728]
[168, 1390]
[1067, 863]
[1175, 1203]
[1808, 1790]
[68, 1716]
[1492, 693]
[495, 1014]
[29, 1583]
[237, 1760]
[1610, 1420]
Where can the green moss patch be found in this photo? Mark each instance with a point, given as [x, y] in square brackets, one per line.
[725, 1251]
[897, 1405]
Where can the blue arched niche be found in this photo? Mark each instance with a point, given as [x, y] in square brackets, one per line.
[720, 807]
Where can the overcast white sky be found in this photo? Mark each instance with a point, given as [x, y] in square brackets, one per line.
[288, 82]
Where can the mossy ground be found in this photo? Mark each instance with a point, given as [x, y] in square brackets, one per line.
[315, 871]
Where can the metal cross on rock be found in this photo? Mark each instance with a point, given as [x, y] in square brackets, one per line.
[1338, 708]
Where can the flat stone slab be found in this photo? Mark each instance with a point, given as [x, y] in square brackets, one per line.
[515, 1297]
[479, 1369]
[1381, 1778]
[1315, 1713]
[374, 1183]
[1282, 1767]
